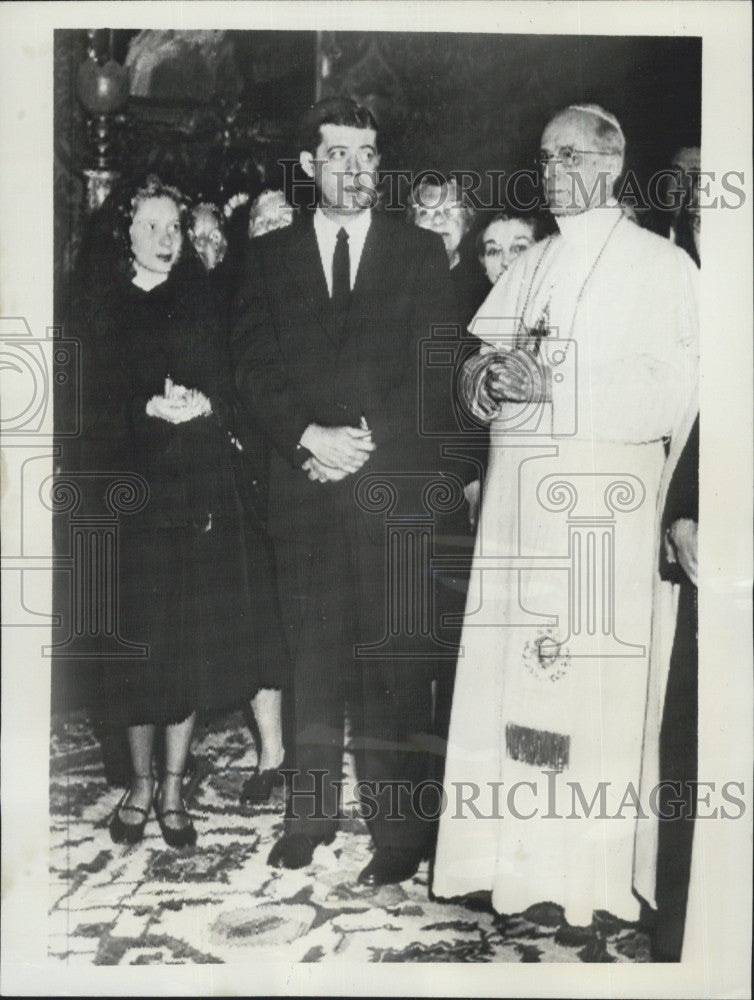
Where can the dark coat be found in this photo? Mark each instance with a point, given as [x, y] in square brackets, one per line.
[679, 732]
[292, 369]
[334, 572]
[192, 585]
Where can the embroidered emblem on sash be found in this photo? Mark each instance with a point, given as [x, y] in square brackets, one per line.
[537, 747]
[546, 656]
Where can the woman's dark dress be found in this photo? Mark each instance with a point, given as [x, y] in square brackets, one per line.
[185, 569]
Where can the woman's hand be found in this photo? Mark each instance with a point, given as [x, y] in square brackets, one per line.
[179, 404]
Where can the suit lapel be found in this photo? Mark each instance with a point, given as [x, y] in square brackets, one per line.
[375, 258]
[305, 265]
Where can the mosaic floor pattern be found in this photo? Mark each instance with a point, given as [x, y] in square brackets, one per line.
[219, 902]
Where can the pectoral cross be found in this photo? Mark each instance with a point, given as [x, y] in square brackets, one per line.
[540, 329]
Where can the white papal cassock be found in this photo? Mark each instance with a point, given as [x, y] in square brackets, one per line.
[551, 685]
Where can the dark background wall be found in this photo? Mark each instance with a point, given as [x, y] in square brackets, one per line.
[204, 105]
[480, 101]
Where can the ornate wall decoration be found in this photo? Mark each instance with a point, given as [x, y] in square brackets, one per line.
[183, 65]
[210, 111]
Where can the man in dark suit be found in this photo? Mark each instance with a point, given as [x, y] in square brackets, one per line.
[330, 317]
[679, 731]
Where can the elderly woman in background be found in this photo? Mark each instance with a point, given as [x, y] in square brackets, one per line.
[437, 204]
[209, 241]
[269, 211]
[245, 219]
[207, 234]
[501, 241]
[158, 401]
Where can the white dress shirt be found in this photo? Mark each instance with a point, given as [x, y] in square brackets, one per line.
[326, 232]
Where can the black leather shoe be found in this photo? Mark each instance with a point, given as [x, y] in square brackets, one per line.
[293, 850]
[258, 788]
[388, 867]
[127, 833]
[176, 836]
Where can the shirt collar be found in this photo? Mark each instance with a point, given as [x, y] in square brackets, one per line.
[591, 225]
[355, 226]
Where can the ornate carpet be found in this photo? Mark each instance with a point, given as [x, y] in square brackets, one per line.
[219, 901]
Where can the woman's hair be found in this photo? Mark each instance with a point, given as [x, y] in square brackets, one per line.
[104, 261]
[215, 209]
[443, 182]
[267, 197]
[130, 197]
[532, 221]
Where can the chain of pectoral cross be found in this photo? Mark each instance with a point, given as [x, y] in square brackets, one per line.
[542, 327]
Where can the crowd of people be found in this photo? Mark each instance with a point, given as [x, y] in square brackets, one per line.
[260, 367]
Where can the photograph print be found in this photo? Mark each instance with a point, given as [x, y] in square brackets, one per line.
[375, 497]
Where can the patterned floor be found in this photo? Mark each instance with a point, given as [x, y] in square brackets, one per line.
[219, 902]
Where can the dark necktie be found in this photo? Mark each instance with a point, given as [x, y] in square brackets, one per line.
[341, 281]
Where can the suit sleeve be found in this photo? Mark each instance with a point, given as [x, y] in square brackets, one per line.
[264, 390]
[432, 305]
[682, 499]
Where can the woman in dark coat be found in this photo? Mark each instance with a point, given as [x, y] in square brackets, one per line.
[679, 734]
[160, 390]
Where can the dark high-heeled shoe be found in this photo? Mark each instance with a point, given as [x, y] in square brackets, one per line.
[258, 788]
[127, 833]
[181, 836]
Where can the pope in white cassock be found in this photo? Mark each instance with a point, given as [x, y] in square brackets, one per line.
[588, 365]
